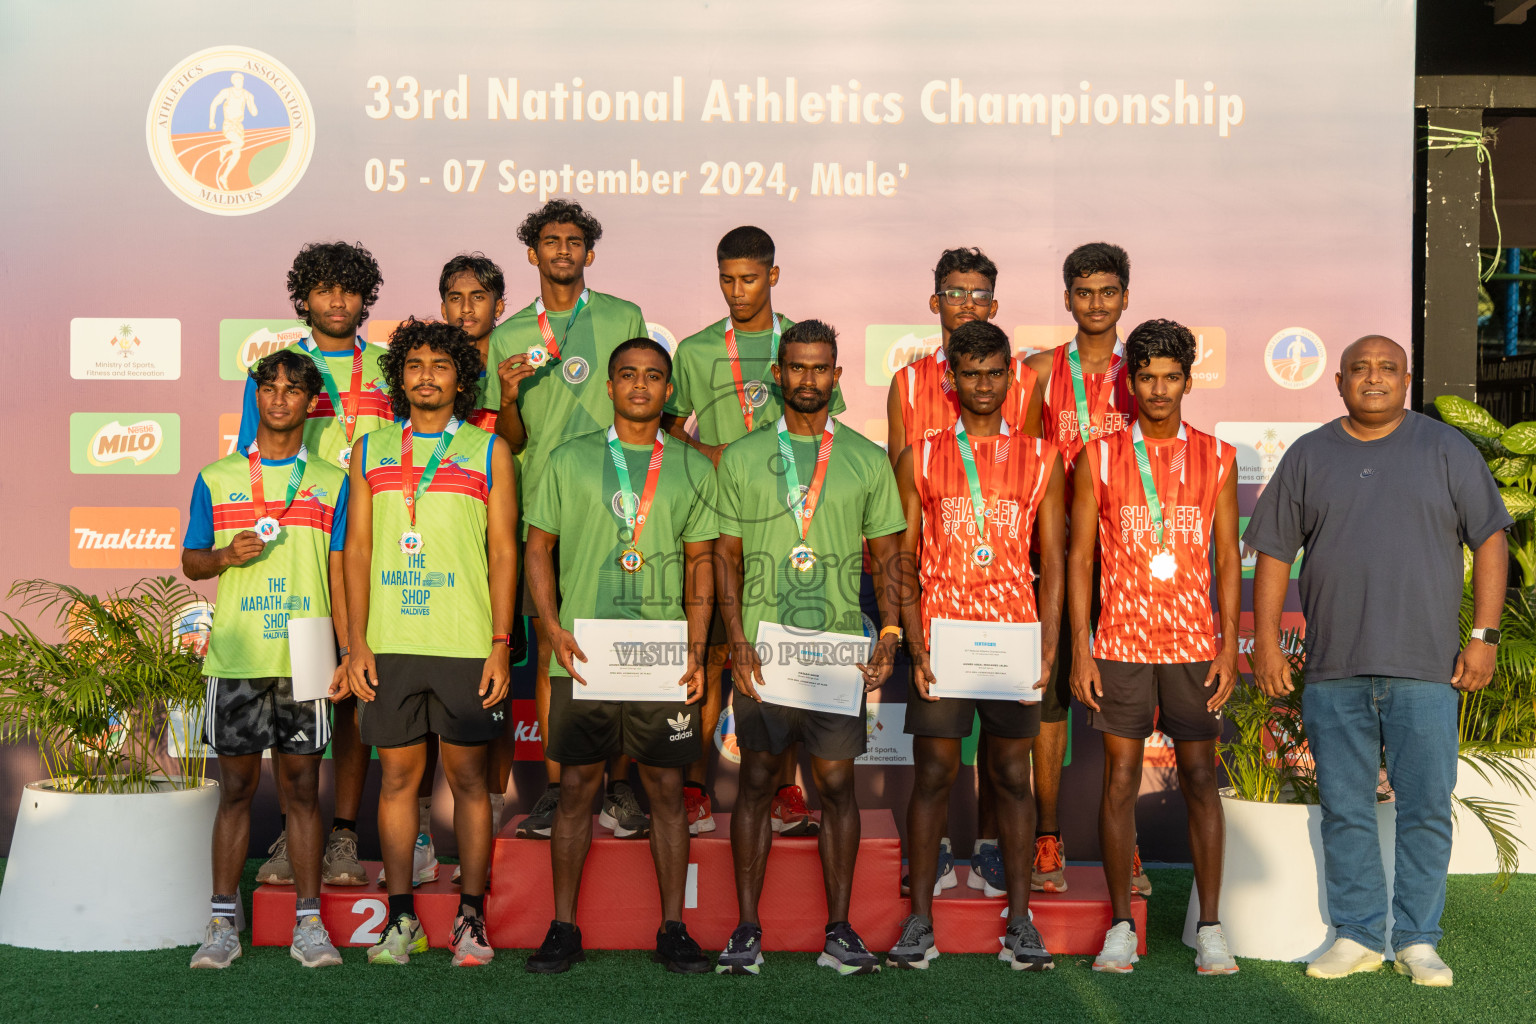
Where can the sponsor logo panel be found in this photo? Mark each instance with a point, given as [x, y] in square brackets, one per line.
[887, 743]
[1295, 358]
[1260, 445]
[229, 433]
[107, 442]
[124, 348]
[527, 744]
[1251, 556]
[1210, 369]
[889, 347]
[243, 342]
[124, 538]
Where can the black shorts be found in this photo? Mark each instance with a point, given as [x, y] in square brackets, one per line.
[1132, 692]
[1057, 700]
[659, 733]
[953, 717]
[419, 694]
[247, 716]
[772, 729]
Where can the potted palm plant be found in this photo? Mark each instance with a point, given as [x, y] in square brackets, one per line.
[111, 849]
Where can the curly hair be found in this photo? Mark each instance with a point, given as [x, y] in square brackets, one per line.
[478, 263]
[1161, 339]
[963, 261]
[1096, 258]
[439, 337]
[558, 211]
[299, 368]
[351, 266]
[979, 340]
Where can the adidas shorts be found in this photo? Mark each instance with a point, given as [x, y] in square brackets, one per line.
[419, 694]
[659, 733]
[248, 716]
[772, 728]
[1177, 693]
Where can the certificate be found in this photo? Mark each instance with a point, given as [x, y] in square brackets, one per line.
[812, 671]
[984, 660]
[631, 659]
[311, 656]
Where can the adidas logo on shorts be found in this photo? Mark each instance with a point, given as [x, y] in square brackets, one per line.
[682, 726]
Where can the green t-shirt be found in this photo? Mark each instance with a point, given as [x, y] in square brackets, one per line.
[437, 601]
[569, 398]
[324, 434]
[581, 506]
[858, 500]
[291, 576]
[702, 382]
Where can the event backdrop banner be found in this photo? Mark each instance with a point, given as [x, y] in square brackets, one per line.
[167, 161]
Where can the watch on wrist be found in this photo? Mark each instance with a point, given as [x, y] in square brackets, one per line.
[1487, 636]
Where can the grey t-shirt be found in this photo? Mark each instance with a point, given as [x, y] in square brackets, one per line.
[1382, 523]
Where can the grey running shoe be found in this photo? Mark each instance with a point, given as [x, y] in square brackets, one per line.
[621, 813]
[404, 936]
[339, 864]
[846, 954]
[541, 820]
[1024, 949]
[276, 870]
[221, 945]
[423, 862]
[915, 947]
[312, 947]
[743, 953]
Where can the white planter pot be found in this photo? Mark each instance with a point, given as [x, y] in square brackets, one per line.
[1472, 846]
[1274, 903]
[102, 871]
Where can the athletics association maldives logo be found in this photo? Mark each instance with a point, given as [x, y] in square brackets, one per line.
[230, 130]
[1295, 358]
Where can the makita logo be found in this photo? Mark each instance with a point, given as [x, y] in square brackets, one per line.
[128, 540]
[526, 732]
[114, 442]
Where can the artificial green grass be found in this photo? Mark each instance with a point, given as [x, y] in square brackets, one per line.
[1489, 936]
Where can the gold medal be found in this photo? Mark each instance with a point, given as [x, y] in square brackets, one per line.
[802, 558]
[983, 555]
[631, 560]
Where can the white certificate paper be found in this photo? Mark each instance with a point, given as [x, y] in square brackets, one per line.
[984, 660]
[813, 671]
[311, 656]
[631, 659]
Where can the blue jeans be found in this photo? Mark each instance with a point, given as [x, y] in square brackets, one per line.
[1348, 721]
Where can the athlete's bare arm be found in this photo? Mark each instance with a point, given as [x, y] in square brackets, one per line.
[335, 571]
[677, 427]
[512, 371]
[541, 583]
[746, 670]
[207, 563]
[1036, 409]
[884, 556]
[357, 566]
[895, 428]
[1040, 362]
[1229, 592]
[1051, 529]
[911, 552]
[1086, 685]
[698, 605]
[501, 556]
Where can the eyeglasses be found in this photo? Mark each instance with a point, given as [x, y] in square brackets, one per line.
[957, 296]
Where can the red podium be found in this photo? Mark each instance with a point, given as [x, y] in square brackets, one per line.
[620, 907]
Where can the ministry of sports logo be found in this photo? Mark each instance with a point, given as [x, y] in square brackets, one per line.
[1295, 358]
[230, 130]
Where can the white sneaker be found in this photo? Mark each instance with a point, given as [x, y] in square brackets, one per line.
[423, 862]
[1119, 953]
[1423, 964]
[1344, 957]
[1211, 953]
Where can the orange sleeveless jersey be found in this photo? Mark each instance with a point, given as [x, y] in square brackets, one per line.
[954, 586]
[928, 410]
[1149, 621]
[1058, 416]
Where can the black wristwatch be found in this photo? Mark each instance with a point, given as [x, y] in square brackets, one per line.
[1487, 636]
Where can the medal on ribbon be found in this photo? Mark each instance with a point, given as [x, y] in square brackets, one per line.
[801, 556]
[412, 487]
[630, 559]
[750, 394]
[345, 410]
[538, 355]
[1086, 428]
[982, 554]
[1164, 564]
[268, 528]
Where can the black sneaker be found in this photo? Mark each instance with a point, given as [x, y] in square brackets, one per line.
[541, 820]
[743, 953]
[676, 948]
[845, 952]
[561, 948]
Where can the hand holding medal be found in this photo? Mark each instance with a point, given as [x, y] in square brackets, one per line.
[538, 355]
[267, 527]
